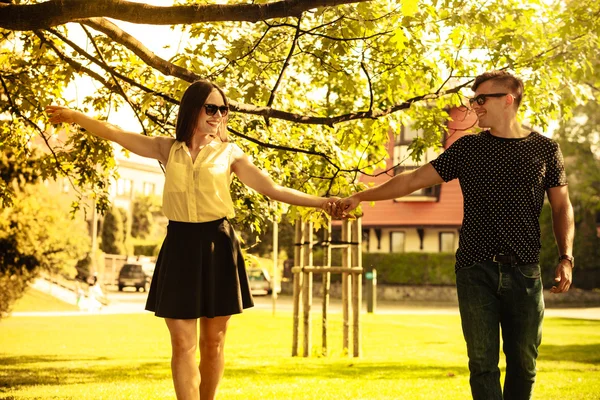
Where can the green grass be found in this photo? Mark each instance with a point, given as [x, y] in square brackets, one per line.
[34, 300]
[404, 357]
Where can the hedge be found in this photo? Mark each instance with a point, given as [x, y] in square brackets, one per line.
[438, 268]
[147, 249]
[401, 268]
[412, 268]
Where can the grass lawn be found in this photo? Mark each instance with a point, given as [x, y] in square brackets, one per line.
[404, 357]
[34, 300]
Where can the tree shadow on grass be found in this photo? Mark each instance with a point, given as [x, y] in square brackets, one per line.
[23, 360]
[55, 370]
[21, 371]
[352, 370]
[581, 353]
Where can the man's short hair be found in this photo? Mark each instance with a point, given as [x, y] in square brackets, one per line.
[511, 82]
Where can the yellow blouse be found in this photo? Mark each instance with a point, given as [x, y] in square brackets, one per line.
[199, 191]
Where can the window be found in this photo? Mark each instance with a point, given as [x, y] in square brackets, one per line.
[404, 162]
[148, 188]
[365, 239]
[447, 242]
[397, 242]
[124, 187]
[407, 134]
[66, 185]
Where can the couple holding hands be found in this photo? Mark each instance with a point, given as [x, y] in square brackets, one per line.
[200, 279]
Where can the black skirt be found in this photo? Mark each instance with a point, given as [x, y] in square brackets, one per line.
[200, 272]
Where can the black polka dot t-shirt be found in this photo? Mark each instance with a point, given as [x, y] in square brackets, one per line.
[503, 182]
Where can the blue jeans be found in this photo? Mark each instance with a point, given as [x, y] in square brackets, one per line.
[490, 296]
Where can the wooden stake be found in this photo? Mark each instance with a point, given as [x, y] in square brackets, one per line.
[346, 262]
[298, 262]
[307, 290]
[326, 284]
[356, 285]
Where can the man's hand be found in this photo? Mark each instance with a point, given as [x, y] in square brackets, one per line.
[343, 207]
[562, 277]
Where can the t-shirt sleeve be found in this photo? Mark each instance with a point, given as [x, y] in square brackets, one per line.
[449, 163]
[555, 169]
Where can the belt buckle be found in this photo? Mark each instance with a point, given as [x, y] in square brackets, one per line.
[498, 255]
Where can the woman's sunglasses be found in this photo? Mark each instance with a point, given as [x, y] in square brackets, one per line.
[481, 99]
[211, 109]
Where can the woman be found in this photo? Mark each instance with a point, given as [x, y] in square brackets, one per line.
[200, 272]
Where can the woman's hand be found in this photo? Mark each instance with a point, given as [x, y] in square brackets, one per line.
[59, 114]
[329, 205]
[343, 207]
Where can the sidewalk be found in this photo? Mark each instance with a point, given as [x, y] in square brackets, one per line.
[284, 303]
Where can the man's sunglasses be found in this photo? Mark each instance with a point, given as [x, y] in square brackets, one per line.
[211, 109]
[481, 99]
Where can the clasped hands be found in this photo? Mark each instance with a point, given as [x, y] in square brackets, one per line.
[340, 208]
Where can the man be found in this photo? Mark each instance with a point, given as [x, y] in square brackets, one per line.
[504, 172]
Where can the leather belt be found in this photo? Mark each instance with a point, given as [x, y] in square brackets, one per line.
[505, 259]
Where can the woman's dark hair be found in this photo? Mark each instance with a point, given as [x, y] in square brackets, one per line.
[190, 107]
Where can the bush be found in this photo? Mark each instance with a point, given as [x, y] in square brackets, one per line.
[12, 288]
[412, 268]
[401, 268]
[146, 249]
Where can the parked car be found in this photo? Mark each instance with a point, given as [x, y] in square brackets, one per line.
[260, 281]
[137, 275]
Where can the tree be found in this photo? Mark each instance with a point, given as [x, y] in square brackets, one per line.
[315, 85]
[127, 244]
[36, 234]
[113, 240]
[142, 216]
[579, 139]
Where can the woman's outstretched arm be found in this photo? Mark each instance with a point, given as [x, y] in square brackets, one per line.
[251, 176]
[152, 147]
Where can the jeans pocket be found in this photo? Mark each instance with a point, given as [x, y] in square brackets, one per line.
[468, 267]
[465, 275]
[531, 271]
[531, 278]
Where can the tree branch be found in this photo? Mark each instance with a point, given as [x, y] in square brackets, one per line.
[121, 91]
[74, 64]
[16, 110]
[213, 74]
[284, 148]
[134, 45]
[120, 36]
[285, 64]
[331, 121]
[362, 65]
[311, 32]
[111, 70]
[24, 17]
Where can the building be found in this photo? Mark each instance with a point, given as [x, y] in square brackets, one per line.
[426, 221]
[136, 175]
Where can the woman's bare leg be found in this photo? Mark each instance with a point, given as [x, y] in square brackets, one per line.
[212, 355]
[183, 359]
